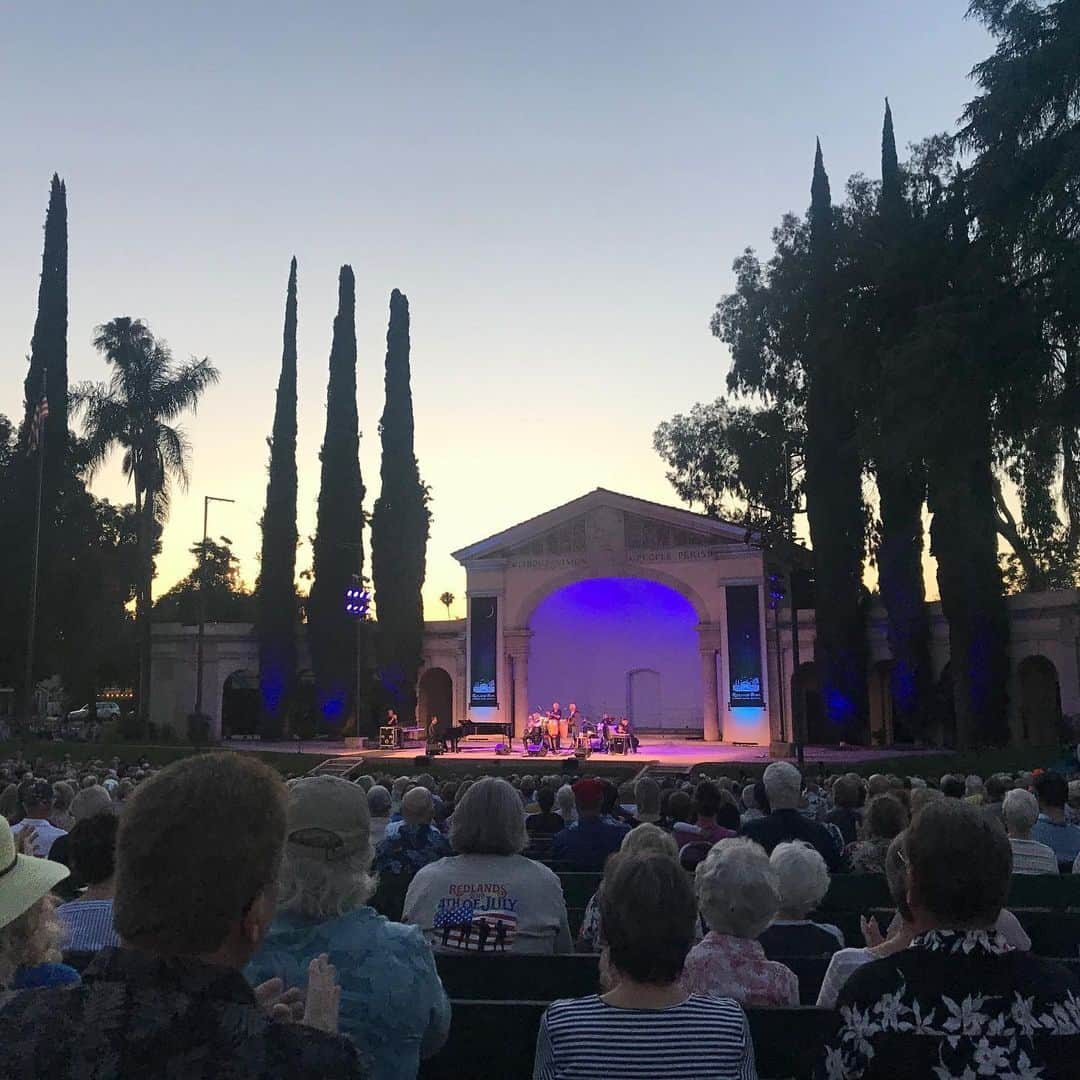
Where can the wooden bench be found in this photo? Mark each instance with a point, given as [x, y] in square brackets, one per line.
[516, 977]
[496, 1039]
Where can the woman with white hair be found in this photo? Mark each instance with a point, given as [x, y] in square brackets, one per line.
[393, 1004]
[738, 892]
[379, 809]
[565, 804]
[645, 838]
[1021, 810]
[804, 881]
[488, 897]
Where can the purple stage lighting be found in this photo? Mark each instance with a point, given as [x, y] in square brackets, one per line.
[357, 601]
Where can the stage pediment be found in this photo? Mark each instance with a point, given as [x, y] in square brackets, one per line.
[617, 525]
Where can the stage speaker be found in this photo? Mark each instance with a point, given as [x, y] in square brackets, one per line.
[502, 750]
[532, 750]
[581, 754]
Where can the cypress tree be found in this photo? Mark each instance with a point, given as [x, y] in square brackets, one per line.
[399, 527]
[901, 473]
[338, 553]
[834, 504]
[276, 614]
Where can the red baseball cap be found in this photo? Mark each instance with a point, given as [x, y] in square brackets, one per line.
[589, 793]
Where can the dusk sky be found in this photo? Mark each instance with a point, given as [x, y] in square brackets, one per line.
[559, 188]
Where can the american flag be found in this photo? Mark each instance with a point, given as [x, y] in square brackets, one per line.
[37, 425]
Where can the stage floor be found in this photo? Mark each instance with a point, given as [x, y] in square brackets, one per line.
[653, 752]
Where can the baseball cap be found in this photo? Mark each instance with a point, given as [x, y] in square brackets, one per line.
[589, 793]
[327, 818]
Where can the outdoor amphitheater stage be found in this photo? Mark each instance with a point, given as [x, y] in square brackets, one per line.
[656, 753]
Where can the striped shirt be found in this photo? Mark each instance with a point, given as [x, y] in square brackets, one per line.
[587, 1038]
[88, 925]
[1031, 857]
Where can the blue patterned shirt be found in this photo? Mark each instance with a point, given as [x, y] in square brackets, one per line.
[392, 1001]
[88, 925]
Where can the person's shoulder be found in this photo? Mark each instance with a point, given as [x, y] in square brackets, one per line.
[715, 1008]
[1043, 976]
[872, 979]
[571, 1010]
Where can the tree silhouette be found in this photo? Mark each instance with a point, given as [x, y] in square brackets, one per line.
[136, 411]
[447, 601]
[276, 610]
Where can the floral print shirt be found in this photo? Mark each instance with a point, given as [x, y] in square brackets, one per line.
[724, 966]
[957, 1005]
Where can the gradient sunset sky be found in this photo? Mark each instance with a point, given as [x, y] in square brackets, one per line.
[560, 188]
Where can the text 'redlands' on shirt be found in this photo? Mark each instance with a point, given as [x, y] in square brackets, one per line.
[489, 903]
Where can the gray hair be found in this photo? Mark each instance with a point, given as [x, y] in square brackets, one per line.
[647, 838]
[1021, 810]
[738, 890]
[803, 877]
[748, 799]
[783, 785]
[973, 785]
[378, 800]
[565, 803]
[326, 889]
[417, 807]
[488, 820]
[90, 801]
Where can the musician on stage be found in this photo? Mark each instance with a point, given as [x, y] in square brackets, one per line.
[606, 729]
[454, 735]
[632, 740]
[572, 721]
[391, 718]
[554, 719]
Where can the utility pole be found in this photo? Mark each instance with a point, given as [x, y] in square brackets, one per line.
[207, 500]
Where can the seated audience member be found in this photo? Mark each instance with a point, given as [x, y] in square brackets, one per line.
[30, 932]
[488, 897]
[197, 857]
[392, 1001]
[61, 817]
[1052, 829]
[647, 800]
[845, 961]
[847, 796]
[647, 1024]
[378, 798]
[885, 819]
[546, 822]
[804, 881]
[586, 844]
[417, 842]
[610, 810]
[974, 790]
[739, 895]
[1021, 811]
[675, 806]
[877, 784]
[37, 800]
[783, 786]
[87, 803]
[709, 801]
[565, 805]
[952, 787]
[752, 809]
[88, 920]
[997, 786]
[922, 797]
[645, 838]
[958, 1001]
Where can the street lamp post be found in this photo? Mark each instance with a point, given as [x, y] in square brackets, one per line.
[199, 640]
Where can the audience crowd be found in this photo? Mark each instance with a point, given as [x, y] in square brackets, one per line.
[212, 919]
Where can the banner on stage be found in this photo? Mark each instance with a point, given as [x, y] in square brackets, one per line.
[483, 650]
[744, 647]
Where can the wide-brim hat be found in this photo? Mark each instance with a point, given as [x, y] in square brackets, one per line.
[24, 879]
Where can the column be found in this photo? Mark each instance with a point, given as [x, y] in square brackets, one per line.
[712, 699]
[517, 648]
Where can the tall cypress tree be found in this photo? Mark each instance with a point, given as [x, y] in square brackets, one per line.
[399, 527]
[276, 614]
[901, 473]
[834, 479]
[338, 548]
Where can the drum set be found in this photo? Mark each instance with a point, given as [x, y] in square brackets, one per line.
[552, 733]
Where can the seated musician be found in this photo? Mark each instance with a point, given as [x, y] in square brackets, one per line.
[455, 734]
[391, 718]
[632, 741]
[434, 734]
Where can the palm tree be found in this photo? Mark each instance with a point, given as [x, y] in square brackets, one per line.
[446, 600]
[135, 411]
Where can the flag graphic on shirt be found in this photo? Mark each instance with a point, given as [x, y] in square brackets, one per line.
[37, 425]
[477, 924]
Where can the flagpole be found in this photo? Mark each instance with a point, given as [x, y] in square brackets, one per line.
[31, 618]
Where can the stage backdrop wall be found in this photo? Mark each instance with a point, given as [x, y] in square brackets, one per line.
[618, 645]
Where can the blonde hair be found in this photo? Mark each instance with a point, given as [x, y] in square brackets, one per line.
[32, 938]
[647, 839]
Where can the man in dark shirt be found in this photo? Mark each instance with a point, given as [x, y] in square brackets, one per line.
[847, 794]
[586, 844]
[958, 1001]
[783, 786]
[546, 823]
[197, 857]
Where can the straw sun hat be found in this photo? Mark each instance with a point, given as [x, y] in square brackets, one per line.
[24, 880]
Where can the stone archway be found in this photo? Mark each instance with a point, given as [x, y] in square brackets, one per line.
[1040, 701]
[241, 705]
[435, 697]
